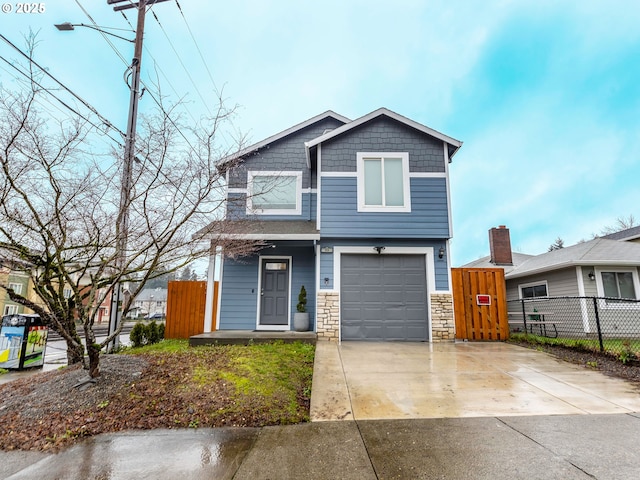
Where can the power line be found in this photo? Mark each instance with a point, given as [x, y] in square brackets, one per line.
[85, 103]
[197, 47]
[182, 63]
[164, 75]
[148, 91]
[67, 106]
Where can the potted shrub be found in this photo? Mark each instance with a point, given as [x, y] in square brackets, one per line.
[301, 317]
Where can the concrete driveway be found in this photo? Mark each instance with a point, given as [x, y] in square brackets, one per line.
[371, 381]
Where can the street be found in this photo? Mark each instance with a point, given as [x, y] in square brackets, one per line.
[55, 354]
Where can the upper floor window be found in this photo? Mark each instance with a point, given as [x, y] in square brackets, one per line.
[383, 182]
[274, 193]
[10, 309]
[16, 287]
[533, 290]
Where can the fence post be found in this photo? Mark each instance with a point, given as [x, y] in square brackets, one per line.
[595, 306]
[524, 317]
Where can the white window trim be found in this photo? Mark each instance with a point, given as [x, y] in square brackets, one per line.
[16, 287]
[405, 179]
[533, 284]
[274, 211]
[600, 285]
[10, 309]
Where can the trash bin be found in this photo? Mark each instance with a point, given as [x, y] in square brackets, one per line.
[23, 339]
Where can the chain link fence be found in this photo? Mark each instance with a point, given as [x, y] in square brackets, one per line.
[603, 324]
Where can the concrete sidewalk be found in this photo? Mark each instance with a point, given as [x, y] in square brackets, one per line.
[541, 447]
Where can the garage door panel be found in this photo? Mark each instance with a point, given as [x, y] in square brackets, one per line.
[411, 278]
[416, 296]
[394, 279]
[417, 331]
[392, 261]
[372, 315]
[371, 279]
[383, 297]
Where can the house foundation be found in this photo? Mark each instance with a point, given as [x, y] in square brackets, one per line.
[328, 315]
[442, 320]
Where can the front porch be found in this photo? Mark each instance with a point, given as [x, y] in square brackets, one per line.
[246, 337]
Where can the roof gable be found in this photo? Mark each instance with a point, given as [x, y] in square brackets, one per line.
[285, 133]
[454, 144]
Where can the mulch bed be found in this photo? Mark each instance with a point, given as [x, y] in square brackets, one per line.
[605, 363]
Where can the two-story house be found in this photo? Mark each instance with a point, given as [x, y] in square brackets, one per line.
[356, 211]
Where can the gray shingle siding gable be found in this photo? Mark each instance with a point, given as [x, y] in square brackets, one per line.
[426, 153]
[286, 154]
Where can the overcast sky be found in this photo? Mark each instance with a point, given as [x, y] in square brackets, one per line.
[545, 95]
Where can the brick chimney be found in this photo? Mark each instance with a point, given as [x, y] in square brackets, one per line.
[500, 246]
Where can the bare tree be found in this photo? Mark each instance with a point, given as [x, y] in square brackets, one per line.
[60, 205]
[622, 223]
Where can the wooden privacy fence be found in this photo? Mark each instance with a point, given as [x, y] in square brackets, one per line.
[186, 302]
[480, 303]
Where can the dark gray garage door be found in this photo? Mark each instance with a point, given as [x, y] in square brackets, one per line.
[383, 297]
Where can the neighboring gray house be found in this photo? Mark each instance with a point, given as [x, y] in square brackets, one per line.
[601, 267]
[356, 211]
[629, 235]
[150, 302]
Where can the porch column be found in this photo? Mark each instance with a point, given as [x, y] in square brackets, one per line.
[208, 309]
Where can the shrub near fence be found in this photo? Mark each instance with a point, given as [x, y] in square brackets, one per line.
[609, 325]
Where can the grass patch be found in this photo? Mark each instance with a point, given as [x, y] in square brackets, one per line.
[3, 371]
[165, 346]
[257, 384]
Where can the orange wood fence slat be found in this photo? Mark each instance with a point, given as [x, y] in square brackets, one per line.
[186, 303]
[480, 322]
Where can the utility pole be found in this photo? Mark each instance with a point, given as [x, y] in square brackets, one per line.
[122, 225]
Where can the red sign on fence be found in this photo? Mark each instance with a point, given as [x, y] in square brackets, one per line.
[483, 300]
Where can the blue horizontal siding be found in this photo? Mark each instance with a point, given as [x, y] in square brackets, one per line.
[440, 264]
[237, 209]
[239, 300]
[428, 218]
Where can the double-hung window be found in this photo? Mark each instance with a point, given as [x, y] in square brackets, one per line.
[533, 290]
[16, 287]
[618, 285]
[274, 193]
[383, 182]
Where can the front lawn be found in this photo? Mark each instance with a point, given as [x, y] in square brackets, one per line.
[166, 385]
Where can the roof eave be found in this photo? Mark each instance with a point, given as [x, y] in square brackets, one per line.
[282, 134]
[385, 111]
[271, 236]
[574, 263]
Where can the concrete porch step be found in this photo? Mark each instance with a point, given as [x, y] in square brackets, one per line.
[244, 337]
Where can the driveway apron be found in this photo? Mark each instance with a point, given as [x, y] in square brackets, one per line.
[393, 380]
